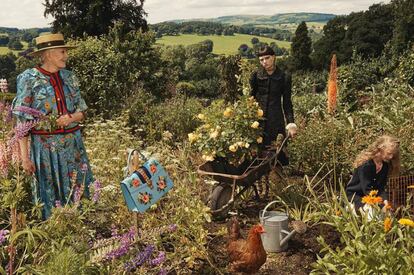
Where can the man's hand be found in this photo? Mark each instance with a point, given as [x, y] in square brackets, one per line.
[292, 129]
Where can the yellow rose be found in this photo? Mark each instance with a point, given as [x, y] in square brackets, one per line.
[228, 112]
[192, 137]
[260, 113]
[255, 125]
[209, 158]
[259, 140]
[233, 148]
[240, 143]
[201, 116]
[246, 145]
[214, 134]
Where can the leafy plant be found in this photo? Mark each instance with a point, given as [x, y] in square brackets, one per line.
[229, 131]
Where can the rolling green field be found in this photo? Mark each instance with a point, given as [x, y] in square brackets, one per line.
[222, 44]
[5, 50]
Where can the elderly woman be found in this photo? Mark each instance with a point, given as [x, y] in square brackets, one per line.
[57, 155]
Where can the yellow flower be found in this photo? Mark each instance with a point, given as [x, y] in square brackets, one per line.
[260, 113]
[246, 145]
[228, 112]
[259, 140]
[192, 137]
[255, 125]
[233, 148]
[373, 193]
[240, 143]
[208, 157]
[214, 134]
[372, 198]
[201, 116]
[387, 224]
[406, 222]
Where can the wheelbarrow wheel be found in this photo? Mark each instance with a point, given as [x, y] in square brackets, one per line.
[220, 196]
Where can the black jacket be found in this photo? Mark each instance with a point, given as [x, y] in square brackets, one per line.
[365, 179]
[273, 93]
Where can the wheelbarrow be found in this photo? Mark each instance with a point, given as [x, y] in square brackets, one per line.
[232, 184]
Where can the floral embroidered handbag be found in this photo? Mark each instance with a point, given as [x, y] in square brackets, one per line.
[143, 186]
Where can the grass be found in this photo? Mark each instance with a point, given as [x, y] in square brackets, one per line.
[6, 50]
[222, 44]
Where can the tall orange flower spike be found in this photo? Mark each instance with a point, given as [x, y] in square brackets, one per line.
[332, 86]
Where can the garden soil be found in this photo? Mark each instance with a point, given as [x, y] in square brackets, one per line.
[297, 259]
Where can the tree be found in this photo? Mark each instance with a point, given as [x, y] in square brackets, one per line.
[7, 65]
[301, 48]
[255, 40]
[15, 44]
[4, 40]
[74, 18]
[404, 24]
[331, 42]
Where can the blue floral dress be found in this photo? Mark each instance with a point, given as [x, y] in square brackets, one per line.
[59, 155]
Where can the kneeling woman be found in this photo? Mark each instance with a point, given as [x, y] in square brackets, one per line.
[373, 166]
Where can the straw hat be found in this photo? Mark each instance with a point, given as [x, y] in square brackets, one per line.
[50, 41]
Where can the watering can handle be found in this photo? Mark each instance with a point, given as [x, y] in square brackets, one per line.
[269, 204]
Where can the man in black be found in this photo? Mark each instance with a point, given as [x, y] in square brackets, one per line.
[271, 87]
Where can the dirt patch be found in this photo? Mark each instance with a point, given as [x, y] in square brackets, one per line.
[297, 259]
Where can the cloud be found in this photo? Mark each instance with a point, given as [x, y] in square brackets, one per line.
[29, 13]
[23, 14]
[162, 10]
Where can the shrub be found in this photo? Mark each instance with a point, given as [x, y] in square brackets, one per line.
[175, 116]
[229, 131]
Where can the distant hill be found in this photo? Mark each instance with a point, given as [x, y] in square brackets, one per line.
[280, 18]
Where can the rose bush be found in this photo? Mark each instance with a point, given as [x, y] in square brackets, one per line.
[229, 130]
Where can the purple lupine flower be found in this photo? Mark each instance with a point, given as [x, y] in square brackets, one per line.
[78, 194]
[3, 234]
[96, 190]
[29, 111]
[58, 204]
[140, 258]
[21, 130]
[126, 242]
[159, 259]
[163, 272]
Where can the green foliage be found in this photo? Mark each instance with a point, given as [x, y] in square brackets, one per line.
[7, 65]
[355, 78]
[335, 141]
[229, 69]
[370, 243]
[309, 82]
[94, 18]
[301, 48]
[404, 25]
[405, 69]
[173, 117]
[65, 261]
[100, 65]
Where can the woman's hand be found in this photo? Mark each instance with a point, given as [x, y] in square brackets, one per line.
[64, 120]
[28, 166]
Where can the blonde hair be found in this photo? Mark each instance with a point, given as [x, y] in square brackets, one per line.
[382, 143]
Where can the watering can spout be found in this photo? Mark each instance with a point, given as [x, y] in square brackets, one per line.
[288, 236]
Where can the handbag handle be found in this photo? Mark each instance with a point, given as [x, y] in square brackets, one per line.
[131, 153]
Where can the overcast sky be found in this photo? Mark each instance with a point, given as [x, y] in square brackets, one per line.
[29, 13]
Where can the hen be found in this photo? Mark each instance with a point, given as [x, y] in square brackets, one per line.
[245, 255]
